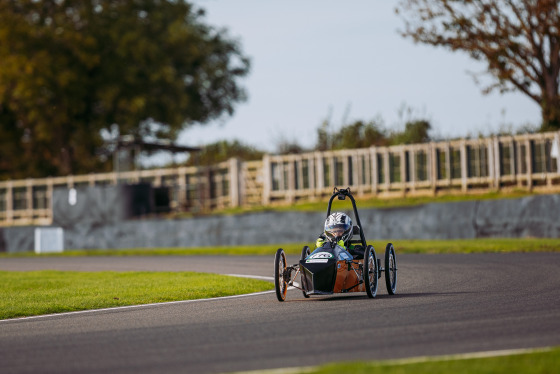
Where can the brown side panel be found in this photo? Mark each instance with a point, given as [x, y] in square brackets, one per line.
[347, 278]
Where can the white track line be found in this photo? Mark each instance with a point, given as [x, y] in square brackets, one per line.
[412, 360]
[468, 356]
[262, 278]
[251, 276]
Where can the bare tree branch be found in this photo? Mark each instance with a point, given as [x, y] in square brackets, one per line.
[518, 39]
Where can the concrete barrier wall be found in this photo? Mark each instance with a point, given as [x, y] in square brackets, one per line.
[534, 216]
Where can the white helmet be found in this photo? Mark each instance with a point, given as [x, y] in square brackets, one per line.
[338, 226]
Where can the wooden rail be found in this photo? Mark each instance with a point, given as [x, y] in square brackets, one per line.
[465, 166]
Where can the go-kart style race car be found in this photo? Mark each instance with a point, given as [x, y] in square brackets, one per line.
[331, 268]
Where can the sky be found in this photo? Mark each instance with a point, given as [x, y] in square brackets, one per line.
[313, 60]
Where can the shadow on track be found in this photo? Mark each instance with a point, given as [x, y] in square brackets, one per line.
[327, 298]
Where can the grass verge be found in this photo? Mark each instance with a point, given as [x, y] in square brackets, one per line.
[401, 246]
[43, 292]
[539, 362]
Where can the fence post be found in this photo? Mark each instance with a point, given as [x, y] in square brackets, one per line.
[49, 197]
[412, 167]
[490, 162]
[267, 179]
[374, 169]
[310, 174]
[513, 159]
[320, 174]
[29, 199]
[357, 172]
[291, 181]
[207, 186]
[403, 169]
[464, 166]
[556, 143]
[448, 163]
[433, 167]
[387, 167]
[10, 202]
[519, 162]
[181, 188]
[529, 163]
[497, 159]
[353, 163]
[234, 178]
[345, 169]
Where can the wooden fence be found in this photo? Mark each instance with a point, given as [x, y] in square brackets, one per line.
[469, 165]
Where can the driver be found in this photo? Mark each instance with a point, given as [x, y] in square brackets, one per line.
[338, 229]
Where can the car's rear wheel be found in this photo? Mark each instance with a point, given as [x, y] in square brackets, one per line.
[369, 272]
[390, 269]
[304, 253]
[280, 283]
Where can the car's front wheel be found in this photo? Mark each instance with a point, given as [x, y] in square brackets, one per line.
[280, 283]
[390, 269]
[370, 271]
[304, 253]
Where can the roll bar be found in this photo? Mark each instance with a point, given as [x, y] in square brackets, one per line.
[342, 194]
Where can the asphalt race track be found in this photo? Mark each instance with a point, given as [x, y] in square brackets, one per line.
[446, 304]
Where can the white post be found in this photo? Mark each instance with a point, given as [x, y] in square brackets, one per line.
[555, 150]
[320, 173]
[267, 179]
[29, 199]
[374, 170]
[433, 167]
[448, 162]
[49, 205]
[9, 202]
[490, 162]
[387, 167]
[234, 177]
[497, 158]
[345, 169]
[529, 163]
[403, 169]
[412, 163]
[310, 174]
[291, 181]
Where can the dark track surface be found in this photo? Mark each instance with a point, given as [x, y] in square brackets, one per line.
[445, 304]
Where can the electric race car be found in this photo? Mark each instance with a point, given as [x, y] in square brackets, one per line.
[331, 268]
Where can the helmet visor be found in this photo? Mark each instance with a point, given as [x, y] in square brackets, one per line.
[336, 231]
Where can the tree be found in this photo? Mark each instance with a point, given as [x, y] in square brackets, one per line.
[414, 132]
[323, 137]
[223, 150]
[358, 134]
[71, 70]
[519, 40]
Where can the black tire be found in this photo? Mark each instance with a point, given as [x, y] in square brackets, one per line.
[390, 269]
[280, 284]
[369, 272]
[304, 253]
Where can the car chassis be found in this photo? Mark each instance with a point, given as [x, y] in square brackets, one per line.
[332, 269]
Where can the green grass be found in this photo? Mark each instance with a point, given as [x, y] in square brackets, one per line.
[44, 292]
[540, 362]
[401, 246]
[475, 245]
